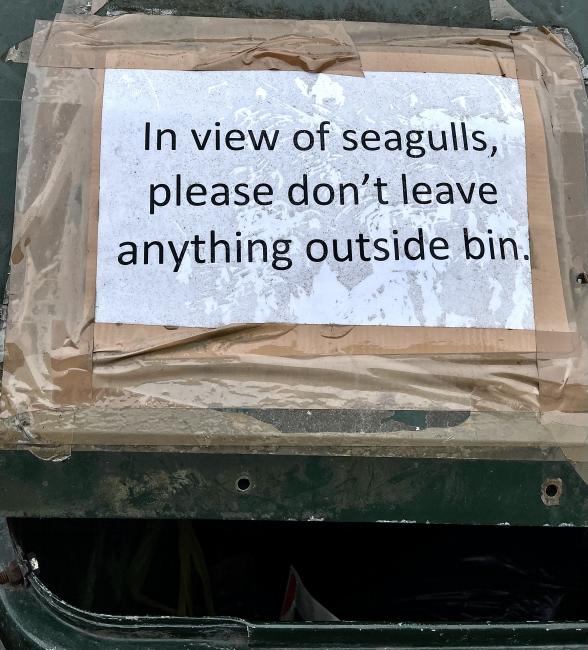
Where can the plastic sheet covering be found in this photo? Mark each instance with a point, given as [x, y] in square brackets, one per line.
[272, 387]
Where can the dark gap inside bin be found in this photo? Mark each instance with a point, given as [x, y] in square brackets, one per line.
[358, 572]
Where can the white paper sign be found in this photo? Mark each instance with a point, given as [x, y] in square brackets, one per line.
[398, 198]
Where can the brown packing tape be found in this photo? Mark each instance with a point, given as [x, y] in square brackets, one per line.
[446, 382]
[494, 435]
[553, 75]
[166, 42]
[75, 385]
[49, 350]
[382, 36]
[436, 49]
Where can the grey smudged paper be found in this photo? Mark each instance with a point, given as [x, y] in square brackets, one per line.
[398, 198]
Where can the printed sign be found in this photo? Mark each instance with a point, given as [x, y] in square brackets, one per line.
[396, 198]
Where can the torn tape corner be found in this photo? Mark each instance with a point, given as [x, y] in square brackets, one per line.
[503, 10]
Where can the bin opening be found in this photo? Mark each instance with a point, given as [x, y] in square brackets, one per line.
[355, 572]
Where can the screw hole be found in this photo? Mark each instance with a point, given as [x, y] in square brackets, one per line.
[582, 278]
[551, 490]
[243, 483]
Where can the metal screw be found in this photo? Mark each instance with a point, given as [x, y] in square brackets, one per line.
[33, 563]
